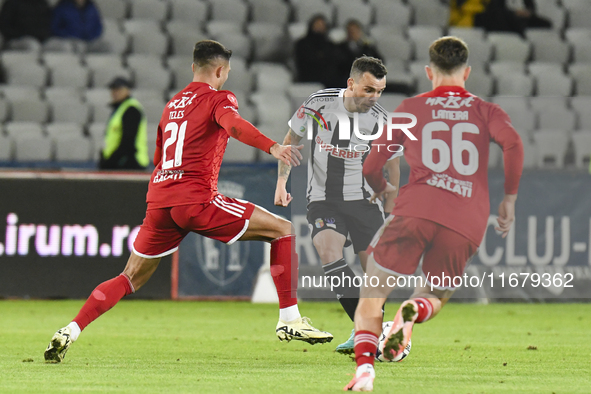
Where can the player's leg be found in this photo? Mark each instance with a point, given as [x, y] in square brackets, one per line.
[368, 326]
[152, 245]
[266, 226]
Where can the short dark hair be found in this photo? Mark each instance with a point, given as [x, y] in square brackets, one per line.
[369, 64]
[207, 51]
[448, 54]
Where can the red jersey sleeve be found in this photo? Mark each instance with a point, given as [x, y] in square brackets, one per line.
[224, 103]
[503, 133]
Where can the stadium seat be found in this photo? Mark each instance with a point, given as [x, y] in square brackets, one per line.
[510, 47]
[29, 148]
[193, 12]
[153, 110]
[149, 43]
[240, 78]
[417, 69]
[422, 37]
[272, 11]
[70, 111]
[24, 44]
[34, 129]
[529, 154]
[149, 72]
[23, 68]
[237, 152]
[581, 73]
[275, 131]
[16, 92]
[480, 48]
[392, 13]
[514, 85]
[480, 83]
[557, 119]
[545, 103]
[67, 72]
[430, 13]
[134, 26]
[59, 45]
[217, 28]
[270, 41]
[305, 9]
[392, 46]
[579, 12]
[73, 148]
[115, 9]
[102, 76]
[505, 68]
[300, 91]
[346, 10]
[295, 31]
[581, 50]
[270, 77]
[235, 11]
[554, 84]
[63, 128]
[551, 148]
[180, 67]
[148, 94]
[271, 107]
[582, 145]
[53, 59]
[4, 111]
[96, 61]
[581, 104]
[520, 104]
[6, 148]
[337, 35]
[523, 121]
[29, 110]
[548, 46]
[113, 37]
[584, 119]
[552, 11]
[184, 43]
[495, 155]
[149, 9]
[96, 131]
[179, 27]
[239, 43]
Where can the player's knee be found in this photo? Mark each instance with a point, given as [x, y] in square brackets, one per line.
[284, 228]
[329, 254]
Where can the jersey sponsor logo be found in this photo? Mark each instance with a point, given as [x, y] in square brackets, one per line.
[165, 175]
[317, 116]
[341, 153]
[232, 99]
[450, 102]
[450, 115]
[182, 102]
[446, 182]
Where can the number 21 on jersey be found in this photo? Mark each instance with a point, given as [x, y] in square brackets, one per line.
[447, 155]
[177, 136]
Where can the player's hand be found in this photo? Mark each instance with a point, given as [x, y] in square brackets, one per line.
[282, 197]
[506, 214]
[288, 154]
[381, 195]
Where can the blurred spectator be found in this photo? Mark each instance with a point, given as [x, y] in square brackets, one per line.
[462, 12]
[76, 19]
[315, 54]
[21, 18]
[126, 137]
[356, 45]
[510, 15]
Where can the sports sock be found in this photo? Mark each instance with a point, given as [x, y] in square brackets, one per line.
[425, 309]
[366, 344]
[103, 298]
[284, 270]
[289, 314]
[74, 330]
[347, 294]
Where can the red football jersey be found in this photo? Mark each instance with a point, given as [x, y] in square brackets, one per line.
[448, 181]
[191, 145]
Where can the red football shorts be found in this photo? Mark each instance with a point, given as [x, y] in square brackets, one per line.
[398, 246]
[224, 219]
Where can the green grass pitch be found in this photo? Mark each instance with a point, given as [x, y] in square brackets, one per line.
[230, 347]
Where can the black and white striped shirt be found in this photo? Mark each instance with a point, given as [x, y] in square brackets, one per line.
[335, 166]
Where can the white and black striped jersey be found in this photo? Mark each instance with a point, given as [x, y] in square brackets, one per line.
[335, 166]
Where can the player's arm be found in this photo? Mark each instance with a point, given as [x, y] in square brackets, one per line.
[245, 132]
[503, 133]
[373, 173]
[282, 197]
[392, 168]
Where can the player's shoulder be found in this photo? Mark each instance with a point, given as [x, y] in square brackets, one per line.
[323, 96]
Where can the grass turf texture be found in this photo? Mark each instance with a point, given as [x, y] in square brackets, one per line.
[228, 347]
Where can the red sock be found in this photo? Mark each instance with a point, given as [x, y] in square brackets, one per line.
[103, 298]
[284, 270]
[366, 344]
[425, 309]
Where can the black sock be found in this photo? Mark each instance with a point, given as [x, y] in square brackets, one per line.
[347, 294]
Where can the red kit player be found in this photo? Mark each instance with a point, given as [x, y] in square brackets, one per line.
[183, 196]
[441, 214]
